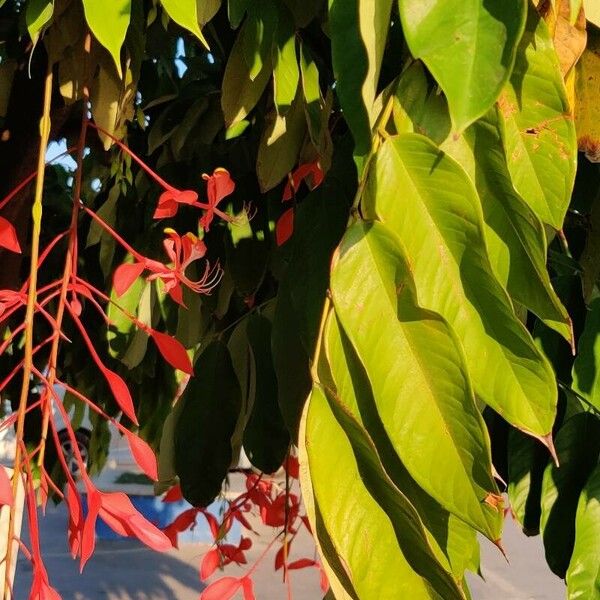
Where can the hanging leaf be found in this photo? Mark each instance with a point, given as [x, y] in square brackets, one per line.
[143, 455]
[537, 126]
[452, 541]
[222, 589]
[121, 393]
[358, 31]
[280, 145]
[206, 423]
[285, 64]
[185, 14]
[172, 351]
[483, 39]
[582, 574]
[240, 92]
[259, 29]
[266, 439]
[453, 276]
[340, 465]
[8, 236]
[108, 21]
[586, 368]
[578, 448]
[516, 239]
[399, 342]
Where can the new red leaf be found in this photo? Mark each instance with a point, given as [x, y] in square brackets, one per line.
[172, 351]
[222, 589]
[6, 495]
[284, 227]
[144, 455]
[248, 587]
[210, 563]
[173, 495]
[121, 393]
[302, 564]
[125, 275]
[8, 236]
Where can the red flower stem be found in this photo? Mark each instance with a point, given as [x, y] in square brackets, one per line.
[138, 160]
[51, 484]
[114, 234]
[70, 265]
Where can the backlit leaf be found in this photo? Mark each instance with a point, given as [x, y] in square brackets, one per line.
[405, 351]
[437, 216]
[185, 14]
[285, 64]
[37, 15]
[358, 30]
[483, 37]
[583, 575]
[537, 127]
[108, 21]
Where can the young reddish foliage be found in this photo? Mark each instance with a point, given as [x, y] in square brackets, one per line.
[8, 236]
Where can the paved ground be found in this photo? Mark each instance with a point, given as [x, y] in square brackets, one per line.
[124, 570]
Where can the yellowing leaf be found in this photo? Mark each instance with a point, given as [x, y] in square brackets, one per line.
[109, 21]
[587, 105]
[592, 11]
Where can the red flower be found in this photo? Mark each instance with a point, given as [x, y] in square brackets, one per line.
[169, 201]
[219, 185]
[183, 250]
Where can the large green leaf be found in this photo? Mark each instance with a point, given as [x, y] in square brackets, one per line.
[468, 45]
[358, 30]
[537, 127]
[240, 92]
[108, 21]
[516, 239]
[266, 439]
[586, 368]
[428, 201]
[577, 447]
[583, 575]
[258, 34]
[37, 15]
[417, 372]
[206, 424]
[527, 459]
[185, 14]
[452, 540]
[351, 490]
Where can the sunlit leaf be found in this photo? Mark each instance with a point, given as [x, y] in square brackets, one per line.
[185, 13]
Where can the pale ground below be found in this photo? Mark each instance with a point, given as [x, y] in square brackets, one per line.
[125, 570]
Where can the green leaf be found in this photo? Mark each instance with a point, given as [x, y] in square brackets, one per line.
[418, 107]
[266, 439]
[516, 239]
[259, 30]
[527, 459]
[38, 14]
[185, 14]
[577, 447]
[590, 257]
[453, 542]
[583, 574]
[586, 368]
[236, 10]
[319, 224]
[285, 64]
[358, 30]
[439, 220]
[537, 127]
[108, 21]
[211, 405]
[207, 9]
[483, 39]
[280, 144]
[417, 373]
[355, 498]
[240, 92]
